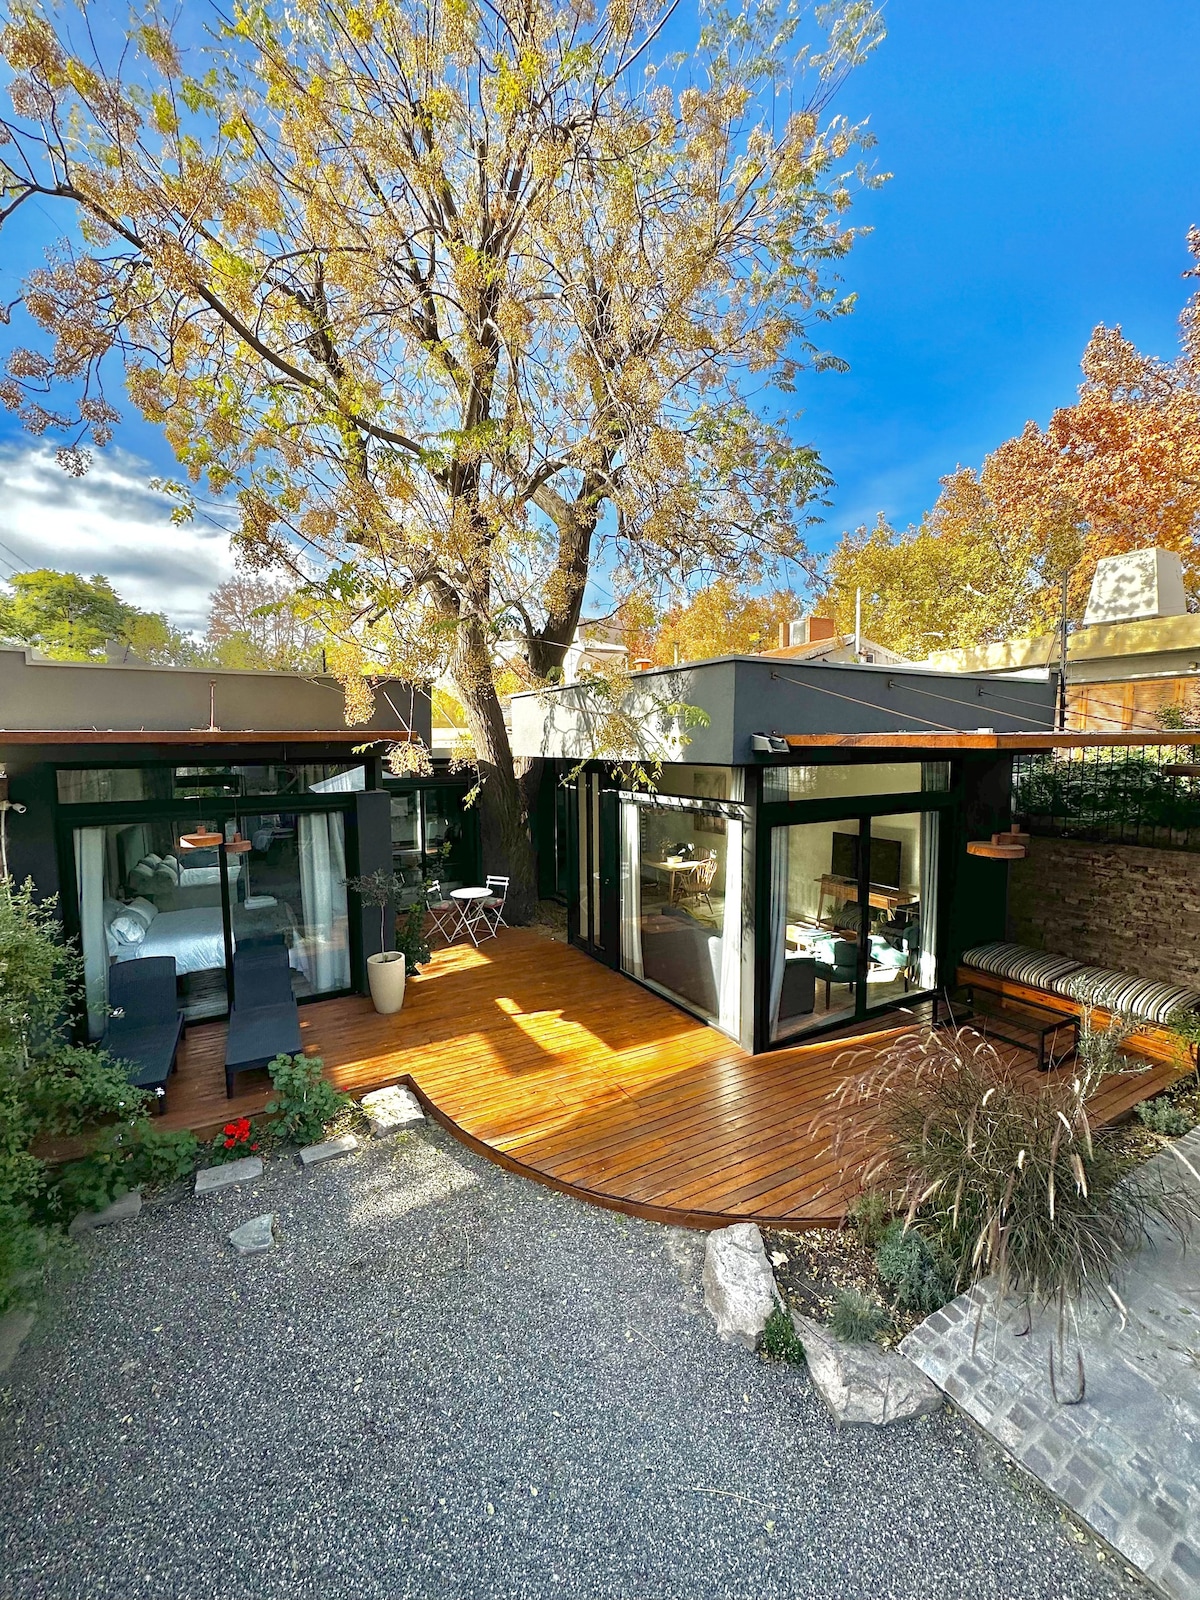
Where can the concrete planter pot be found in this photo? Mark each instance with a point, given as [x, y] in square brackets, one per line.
[385, 978]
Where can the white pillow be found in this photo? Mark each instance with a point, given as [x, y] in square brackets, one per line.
[153, 861]
[128, 929]
[171, 865]
[113, 943]
[143, 909]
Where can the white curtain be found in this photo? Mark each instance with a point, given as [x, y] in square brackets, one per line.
[927, 967]
[779, 906]
[729, 1017]
[89, 875]
[631, 890]
[323, 899]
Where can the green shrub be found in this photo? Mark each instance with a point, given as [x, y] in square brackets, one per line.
[869, 1216]
[918, 1278]
[305, 1101]
[50, 1088]
[855, 1319]
[161, 1155]
[780, 1341]
[1162, 1115]
[410, 937]
[1008, 1176]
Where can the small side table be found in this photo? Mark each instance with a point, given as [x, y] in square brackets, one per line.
[470, 914]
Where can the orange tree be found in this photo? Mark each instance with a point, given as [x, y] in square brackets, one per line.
[460, 299]
[1119, 470]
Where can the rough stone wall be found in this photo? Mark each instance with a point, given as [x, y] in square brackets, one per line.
[1110, 905]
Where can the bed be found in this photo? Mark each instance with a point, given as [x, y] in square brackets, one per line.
[196, 937]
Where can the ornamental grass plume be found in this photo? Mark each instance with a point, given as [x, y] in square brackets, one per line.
[1006, 1176]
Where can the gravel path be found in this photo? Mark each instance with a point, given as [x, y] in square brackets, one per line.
[448, 1382]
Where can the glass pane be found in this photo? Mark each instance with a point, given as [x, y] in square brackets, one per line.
[447, 847]
[700, 783]
[681, 906]
[815, 925]
[840, 782]
[142, 894]
[291, 886]
[902, 938]
[581, 824]
[97, 785]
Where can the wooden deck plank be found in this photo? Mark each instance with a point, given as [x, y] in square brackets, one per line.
[558, 1068]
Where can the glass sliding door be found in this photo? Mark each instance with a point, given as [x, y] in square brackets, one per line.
[851, 917]
[682, 905]
[293, 889]
[141, 894]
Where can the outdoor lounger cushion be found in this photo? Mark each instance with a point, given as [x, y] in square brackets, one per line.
[146, 1023]
[1141, 998]
[1017, 962]
[264, 1022]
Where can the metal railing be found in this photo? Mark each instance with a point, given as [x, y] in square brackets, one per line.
[1145, 796]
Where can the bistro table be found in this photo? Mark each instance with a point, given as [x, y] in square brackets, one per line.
[674, 872]
[470, 913]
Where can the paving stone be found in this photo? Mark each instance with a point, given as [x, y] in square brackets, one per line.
[390, 1110]
[125, 1209]
[209, 1180]
[255, 1237]
[1187, 1560]
[330, 1150]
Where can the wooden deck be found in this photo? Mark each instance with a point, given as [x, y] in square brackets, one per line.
[559, 1069]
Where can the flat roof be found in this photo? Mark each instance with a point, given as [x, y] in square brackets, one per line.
[985, 741]
[202, 736]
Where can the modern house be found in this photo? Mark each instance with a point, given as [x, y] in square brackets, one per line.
[1136, 652]
[799, 860]
[173, 811]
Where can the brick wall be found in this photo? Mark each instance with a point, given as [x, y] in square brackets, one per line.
[1110, 905]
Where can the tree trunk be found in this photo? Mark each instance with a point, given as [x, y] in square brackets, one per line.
[507, 846]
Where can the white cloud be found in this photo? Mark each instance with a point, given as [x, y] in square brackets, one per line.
[109, 521]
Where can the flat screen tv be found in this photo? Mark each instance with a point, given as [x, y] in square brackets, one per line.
[885, 859]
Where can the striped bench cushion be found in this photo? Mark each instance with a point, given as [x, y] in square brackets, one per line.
[1038, 968]
[1142, 998]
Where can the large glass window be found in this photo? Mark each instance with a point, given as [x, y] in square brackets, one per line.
[99, 785]
[841, 781]
[143, 892]
[682, 904]
[433, 837]
[832, 956]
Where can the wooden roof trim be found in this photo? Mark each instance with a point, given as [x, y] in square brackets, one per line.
[202, 736]
[985, 741]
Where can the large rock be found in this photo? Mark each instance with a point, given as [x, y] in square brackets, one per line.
[739, 1286]
[861, 1382]
[211, 1179]
[390, 1110]
[125, 1209]
[15, 1328]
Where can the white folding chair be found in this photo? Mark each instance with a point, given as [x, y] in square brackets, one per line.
[493, 907]
[442, 911]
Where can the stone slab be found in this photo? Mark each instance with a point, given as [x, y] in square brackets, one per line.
[210, 1180]
[15, 1328]
[390, 1110]
[255, 1237]
[330, 1150]
[1126, 1458]
[124, 1209]
[861, 1382]
[739, 1286]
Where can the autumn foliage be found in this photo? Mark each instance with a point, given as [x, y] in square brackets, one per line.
[1119, 470]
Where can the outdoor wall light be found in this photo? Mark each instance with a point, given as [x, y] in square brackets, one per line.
[768, 744]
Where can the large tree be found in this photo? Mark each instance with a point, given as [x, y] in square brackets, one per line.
[73, 618]
[461, 297]
[260, 619]
[1118, 470]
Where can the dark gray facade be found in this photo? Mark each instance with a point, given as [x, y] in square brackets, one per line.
[745, 695]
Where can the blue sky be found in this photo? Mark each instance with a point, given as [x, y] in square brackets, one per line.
[1046, 161]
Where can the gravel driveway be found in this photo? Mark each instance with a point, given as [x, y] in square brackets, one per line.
[449, 1382]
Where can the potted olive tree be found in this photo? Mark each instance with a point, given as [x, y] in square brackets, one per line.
[385, 969]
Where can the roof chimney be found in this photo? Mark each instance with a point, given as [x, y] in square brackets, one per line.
[810, 630]
[1140, 584]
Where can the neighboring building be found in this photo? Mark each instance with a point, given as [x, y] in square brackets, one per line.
[597, 647]
[114, 765]
[734, 887]
[1137, 651]
[817, 639]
